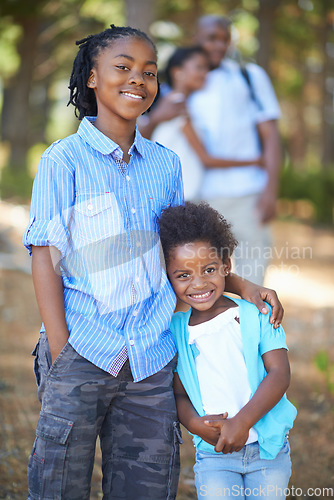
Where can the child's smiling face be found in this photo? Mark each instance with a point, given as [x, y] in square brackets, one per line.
[197, 274]
[124, 78]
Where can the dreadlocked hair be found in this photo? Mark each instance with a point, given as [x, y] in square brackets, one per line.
[81, 96]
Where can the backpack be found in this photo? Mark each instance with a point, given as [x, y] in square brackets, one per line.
[245, 73]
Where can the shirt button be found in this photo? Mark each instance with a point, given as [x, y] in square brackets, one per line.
[127, 177]
[133, 210]
[131, 342]
[137, 279]
[135, 313]
[90, 206]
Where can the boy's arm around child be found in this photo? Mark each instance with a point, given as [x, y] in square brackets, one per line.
[256, 295]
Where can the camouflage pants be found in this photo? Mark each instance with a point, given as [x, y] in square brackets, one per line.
[136, 423]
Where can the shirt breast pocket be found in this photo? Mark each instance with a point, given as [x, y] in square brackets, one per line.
[96, 218]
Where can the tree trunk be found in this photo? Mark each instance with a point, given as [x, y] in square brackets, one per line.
[327, 135]
[266, 16]
[140, 14]
[15, 112]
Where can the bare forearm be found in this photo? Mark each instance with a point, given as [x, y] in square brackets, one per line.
[212, 162]
[165, 109]
[272, 152]
[235, 284]
[185, 410]
[186, 413]
[50, 299]
[270, 391]
[257, 295]
[189, 417]
[195, 424]
[208, 160]
[265, 398]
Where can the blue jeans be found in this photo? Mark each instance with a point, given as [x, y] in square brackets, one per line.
[243, 474]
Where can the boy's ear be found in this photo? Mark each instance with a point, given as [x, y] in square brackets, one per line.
[227, 266]
[91, 80]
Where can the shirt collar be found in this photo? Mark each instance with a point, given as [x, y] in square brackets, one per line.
[139, 143]
[227, 64]
[100, 142]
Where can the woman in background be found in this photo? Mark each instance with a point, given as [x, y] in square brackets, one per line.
[185, 72]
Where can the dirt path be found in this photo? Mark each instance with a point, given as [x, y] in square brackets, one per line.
[302, 273]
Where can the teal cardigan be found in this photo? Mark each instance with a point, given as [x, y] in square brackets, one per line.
[258, 337]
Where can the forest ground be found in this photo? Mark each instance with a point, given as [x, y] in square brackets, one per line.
[302, 273]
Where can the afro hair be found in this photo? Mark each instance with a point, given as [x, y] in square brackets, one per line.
[195, 222]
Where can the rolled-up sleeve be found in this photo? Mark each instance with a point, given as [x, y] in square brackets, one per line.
[265, 94]
[270, 338]
[51, 204]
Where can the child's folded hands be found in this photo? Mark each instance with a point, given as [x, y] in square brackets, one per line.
[209, 433]
[233, 433]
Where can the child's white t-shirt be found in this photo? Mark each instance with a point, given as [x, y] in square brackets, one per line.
[220, 365]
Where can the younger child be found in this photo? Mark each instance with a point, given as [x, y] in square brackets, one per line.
[233, 368]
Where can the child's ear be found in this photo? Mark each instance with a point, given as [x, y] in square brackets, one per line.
[91, 80]
[227, 266]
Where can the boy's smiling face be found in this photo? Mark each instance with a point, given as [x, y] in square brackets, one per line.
[197, 274]
[124, 78]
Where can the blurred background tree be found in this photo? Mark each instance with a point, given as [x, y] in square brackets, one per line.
[292, 39]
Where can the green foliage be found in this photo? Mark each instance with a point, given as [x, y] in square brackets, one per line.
[15, 184]
[325, 366]
[250, 5]
[104, 11]
[246, 26]
[294, 402]
[315, 186]
[322, 361]
[21, 8]
[291, 83]
[175, 6]
[8, 55]
[298, 41]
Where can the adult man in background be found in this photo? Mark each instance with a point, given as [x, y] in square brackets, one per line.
[235, 115]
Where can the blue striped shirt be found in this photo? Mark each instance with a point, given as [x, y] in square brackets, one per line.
[102, 216]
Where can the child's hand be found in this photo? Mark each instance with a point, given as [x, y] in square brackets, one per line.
[208, 433]
[232, 434]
